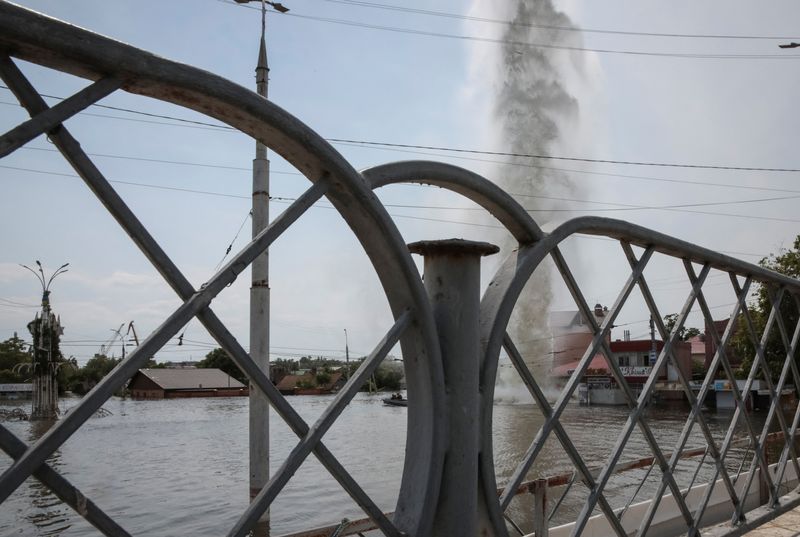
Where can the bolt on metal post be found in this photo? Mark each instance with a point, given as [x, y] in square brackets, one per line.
[452, 280]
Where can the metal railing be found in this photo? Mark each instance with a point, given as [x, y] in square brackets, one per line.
[436, 483]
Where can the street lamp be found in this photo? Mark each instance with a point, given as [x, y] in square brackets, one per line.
[46, 284]
[259, 294]
[44, 404]
[277, 6]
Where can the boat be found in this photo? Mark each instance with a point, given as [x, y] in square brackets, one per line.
[395, 400]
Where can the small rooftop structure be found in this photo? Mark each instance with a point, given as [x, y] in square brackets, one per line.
[18, 390]
[187, 382]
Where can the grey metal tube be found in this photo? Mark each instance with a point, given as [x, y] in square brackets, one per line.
[452, 280]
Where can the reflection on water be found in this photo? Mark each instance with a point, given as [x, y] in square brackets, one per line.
[48, 514]
[180, 467]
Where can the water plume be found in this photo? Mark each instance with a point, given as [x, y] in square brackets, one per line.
[534, 113]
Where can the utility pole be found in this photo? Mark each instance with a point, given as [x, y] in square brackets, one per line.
[45, 330]
[653, 348]
[259, 294]
[346, 357]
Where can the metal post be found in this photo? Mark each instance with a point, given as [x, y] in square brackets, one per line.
[540, 519]
[259, 305]
[452, 280]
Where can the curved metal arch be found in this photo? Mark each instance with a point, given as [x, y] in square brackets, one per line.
[46, 41]
[462, 181]
[505, 288]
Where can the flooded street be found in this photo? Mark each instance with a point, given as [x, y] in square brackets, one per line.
[179, 467]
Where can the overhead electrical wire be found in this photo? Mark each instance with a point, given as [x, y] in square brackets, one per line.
[463, 150]
[624, 207]
[418, 11]
[527, 44]
[520, 164]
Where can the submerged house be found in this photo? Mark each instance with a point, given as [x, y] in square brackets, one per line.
[16, 391]
[572, 336]
[177, 383]
[312, 383]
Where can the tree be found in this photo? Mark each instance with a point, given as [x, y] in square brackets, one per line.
[285, 364]
[85, 378]
[14, 352]
[389, 376]
[219, 359]
[323, 377]
[684, 334]
[788, 263]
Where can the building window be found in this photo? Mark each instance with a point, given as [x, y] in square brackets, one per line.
[624, 360]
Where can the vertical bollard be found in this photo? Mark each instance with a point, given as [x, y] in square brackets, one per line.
[452, 280]
[540, 511]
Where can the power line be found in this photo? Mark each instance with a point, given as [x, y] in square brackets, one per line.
[468, 151]
[443, 14]
[472, 159]
[676, 208]
[571, 159]
[527, 44]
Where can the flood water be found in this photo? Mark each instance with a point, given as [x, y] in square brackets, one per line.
[180, 467]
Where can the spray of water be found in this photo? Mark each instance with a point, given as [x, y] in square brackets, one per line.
[534, 112]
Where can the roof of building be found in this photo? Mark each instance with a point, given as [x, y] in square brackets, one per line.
[187, 379]
[16, 387]
[290, 381]
[598, 364]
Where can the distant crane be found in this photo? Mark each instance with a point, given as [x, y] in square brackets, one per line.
[106, 347]
[131, 329]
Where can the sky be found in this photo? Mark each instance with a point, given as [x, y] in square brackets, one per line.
[366, 72]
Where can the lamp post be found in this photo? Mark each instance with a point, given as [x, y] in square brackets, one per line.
[346, 357]
[259, 293]
[43, 329]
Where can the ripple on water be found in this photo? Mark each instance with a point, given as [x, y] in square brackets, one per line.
[179, 467]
